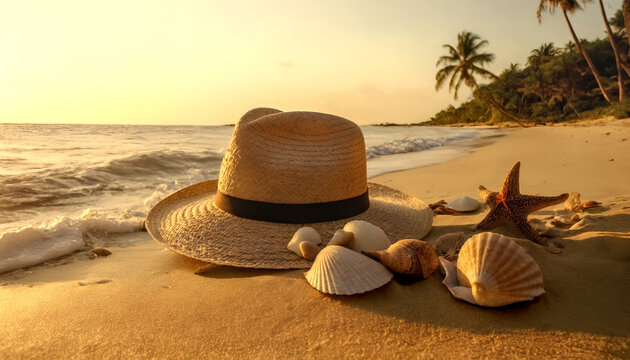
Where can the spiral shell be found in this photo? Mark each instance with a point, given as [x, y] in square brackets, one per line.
[341, 271]
[492, 270]
[408, 258]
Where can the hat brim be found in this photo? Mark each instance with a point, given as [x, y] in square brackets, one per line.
[189, 223]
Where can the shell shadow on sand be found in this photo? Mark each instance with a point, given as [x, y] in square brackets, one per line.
[570, 290]
[576, 282]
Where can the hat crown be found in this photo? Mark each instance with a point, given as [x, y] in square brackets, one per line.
[294, 158]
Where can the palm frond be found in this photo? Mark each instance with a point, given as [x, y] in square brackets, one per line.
[483, 72]
[442, 74]
[463, 63]
[456, 75]
[457, 85]
[481, 58]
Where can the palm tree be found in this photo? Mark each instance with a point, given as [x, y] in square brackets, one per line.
[618, 24]
[626, 20]
[541, 55]
[572, 6]
[615, 50]
[463, 64]
[569, 47]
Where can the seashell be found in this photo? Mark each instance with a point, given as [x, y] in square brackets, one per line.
[341, 238]
[367, 237]
[563, 220]
[303, 234]
[452, 257]
[464, 204]
[573, 202]
[408, 258]
[308, 250]
[341, 271]
[450, 241]
[589, 204]
[492, 270]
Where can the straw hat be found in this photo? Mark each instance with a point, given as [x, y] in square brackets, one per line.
[282, 171]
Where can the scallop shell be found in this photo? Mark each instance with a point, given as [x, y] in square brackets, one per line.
[409, 258]
[341, 271]
[492, 270]
[448, 242]
[367, 237]
[303, 234]
[464, 204]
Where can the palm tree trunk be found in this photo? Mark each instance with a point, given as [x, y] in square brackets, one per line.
[615, 50]
[483, 95]
[587, 58]
[626, 20]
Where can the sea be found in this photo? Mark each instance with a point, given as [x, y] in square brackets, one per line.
[65, 188]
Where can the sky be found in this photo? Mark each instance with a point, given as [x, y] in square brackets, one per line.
[208, 62]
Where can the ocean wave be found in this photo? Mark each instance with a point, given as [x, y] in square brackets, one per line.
[413, 144]
[164, 161]
[30, 245]
[52, 186]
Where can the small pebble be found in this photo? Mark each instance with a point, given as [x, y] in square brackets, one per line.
[100, 252]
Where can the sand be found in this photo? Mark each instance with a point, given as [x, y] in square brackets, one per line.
[145, 301]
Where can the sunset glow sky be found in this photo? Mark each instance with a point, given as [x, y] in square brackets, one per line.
[208, 62]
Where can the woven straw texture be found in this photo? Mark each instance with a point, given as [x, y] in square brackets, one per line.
[294, 157]
[189, 223]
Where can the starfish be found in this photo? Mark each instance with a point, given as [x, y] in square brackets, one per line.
[509, 206]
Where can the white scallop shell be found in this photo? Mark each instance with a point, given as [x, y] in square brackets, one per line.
[303, 234]
[464, 204]
[367, 237]
[492, 270]
[341, 271]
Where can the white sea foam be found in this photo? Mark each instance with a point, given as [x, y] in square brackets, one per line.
[30, 245]
[413, 144]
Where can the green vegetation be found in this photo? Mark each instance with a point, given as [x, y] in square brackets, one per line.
[578, 81]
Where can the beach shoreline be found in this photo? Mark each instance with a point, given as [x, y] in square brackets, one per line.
[145, 301]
